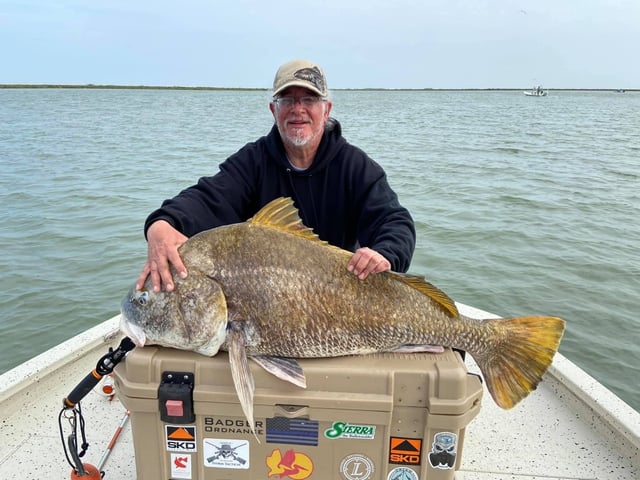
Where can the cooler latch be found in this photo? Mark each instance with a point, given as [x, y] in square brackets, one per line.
[175, 396]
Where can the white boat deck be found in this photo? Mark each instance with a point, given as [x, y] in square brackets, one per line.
[571, 427]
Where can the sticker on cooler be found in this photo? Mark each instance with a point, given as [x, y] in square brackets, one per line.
[402, 473]
[290, 464]
[405, 451]
[357, 467]
[292, 431]
[350, 431]
[180, 438]
[226, 453]
[181, 465]
[443, 450]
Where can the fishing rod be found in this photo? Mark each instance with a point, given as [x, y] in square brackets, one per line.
[112, 443]
[72, 412]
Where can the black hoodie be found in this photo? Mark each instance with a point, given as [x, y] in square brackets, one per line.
[344, 196]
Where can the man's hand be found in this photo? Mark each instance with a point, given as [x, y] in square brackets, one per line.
[162, 252]
[365, 261]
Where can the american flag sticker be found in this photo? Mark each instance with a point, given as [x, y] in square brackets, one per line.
[293, 431]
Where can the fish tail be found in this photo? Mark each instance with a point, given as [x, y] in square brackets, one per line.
[515, 367]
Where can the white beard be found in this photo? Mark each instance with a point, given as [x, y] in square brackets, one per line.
[299, 140]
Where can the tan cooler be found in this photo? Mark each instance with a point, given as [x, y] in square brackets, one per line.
[382, 417]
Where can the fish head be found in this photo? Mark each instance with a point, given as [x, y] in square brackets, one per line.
[191, 317]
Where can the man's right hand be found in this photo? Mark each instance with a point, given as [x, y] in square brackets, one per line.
[162, 252]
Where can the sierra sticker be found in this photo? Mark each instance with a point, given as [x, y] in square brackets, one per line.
[352, 431]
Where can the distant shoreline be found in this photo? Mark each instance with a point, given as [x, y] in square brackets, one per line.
[158, 87]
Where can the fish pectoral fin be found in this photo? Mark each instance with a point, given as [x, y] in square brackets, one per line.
[414, 348]
[242, 378]
[284, 368]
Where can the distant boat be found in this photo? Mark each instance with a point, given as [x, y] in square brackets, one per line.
[620, 90]
[536, 91]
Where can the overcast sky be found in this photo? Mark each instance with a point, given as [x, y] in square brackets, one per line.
[359, 43]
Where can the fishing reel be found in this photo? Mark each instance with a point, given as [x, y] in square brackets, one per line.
[104, 367]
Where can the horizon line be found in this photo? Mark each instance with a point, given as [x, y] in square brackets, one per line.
[180, 87]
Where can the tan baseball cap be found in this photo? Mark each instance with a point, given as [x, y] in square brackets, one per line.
[300, 73]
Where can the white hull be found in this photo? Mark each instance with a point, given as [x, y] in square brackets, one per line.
[536, 92]
[570, 427]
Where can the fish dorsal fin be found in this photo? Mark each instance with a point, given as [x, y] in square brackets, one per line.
[431, 291]
[282, 215]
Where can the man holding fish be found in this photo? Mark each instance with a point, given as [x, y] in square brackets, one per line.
[264, 286]
[341, 193]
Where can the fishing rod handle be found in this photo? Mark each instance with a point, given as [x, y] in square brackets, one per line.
[82, 389]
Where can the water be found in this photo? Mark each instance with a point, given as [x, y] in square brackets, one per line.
[522, 205]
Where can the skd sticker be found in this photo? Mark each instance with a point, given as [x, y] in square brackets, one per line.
[405, 451]
[443, 450]
[180, 438]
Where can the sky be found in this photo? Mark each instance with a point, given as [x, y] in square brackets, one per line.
[359, 43]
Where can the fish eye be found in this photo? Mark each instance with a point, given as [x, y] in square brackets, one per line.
[142, 298]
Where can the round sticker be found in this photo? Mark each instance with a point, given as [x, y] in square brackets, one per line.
[357, 467]
[402, 473]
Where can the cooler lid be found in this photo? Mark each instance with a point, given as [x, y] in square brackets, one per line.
[439, 383]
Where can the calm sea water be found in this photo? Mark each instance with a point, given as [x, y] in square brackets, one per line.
[523, 205]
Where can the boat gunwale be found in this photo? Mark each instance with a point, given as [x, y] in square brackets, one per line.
[19, 379]
[582, 394]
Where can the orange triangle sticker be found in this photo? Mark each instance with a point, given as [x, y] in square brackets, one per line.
[180, 433]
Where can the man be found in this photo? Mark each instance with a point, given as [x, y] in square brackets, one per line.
[340, 192]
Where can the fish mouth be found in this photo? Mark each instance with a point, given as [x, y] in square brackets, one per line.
[133, 331]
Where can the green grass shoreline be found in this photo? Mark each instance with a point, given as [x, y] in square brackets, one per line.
[123, 87]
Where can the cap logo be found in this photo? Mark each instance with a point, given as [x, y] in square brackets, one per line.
[311, 75]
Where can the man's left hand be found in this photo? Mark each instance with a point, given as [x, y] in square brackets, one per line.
[365, 261]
